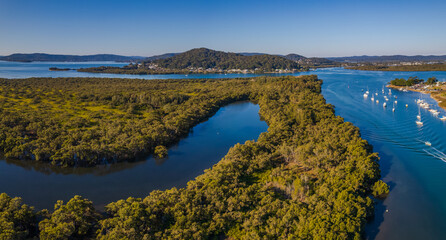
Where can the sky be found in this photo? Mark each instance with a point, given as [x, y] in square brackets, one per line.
[319, 28]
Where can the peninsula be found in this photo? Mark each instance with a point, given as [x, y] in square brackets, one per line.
[406, 67]
[310, 175]
[203, 60]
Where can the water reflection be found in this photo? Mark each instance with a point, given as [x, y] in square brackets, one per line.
[41, 184]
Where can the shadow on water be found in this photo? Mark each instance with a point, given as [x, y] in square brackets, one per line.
[105, 168]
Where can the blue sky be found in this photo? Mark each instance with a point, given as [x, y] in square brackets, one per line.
[311, 28]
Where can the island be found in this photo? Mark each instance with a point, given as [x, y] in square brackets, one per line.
[432, 86]
[310, 176]
[60, 69]
[203, 60]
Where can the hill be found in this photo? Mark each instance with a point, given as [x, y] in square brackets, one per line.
[203, 60]
[43, 57]
[312, 62]
[207, 59]
[390, 58]
[162, 56]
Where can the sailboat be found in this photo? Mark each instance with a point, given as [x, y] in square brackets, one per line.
[418, 121]
[428, 143]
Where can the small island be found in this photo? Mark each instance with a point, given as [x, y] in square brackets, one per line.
[60, 69]
[432, 86]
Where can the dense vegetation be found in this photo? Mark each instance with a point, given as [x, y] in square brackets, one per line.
[402, 68]
[59, 69]
[85, 122]
[403, 82]
[202, 60]
[411, 81]
[206, 58]
[308, 177]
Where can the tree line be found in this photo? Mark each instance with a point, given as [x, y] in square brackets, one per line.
[413, 81]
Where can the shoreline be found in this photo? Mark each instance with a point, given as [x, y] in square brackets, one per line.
[436, 95]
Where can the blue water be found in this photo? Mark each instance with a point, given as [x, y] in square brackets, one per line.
[41, 186]
[41, 69]
[417, 201]
[414, 209]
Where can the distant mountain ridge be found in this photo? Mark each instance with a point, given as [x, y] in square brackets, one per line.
[390, 58]
[43, 57]
[312, 62]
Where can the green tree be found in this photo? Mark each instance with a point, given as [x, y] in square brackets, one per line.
[76, 220]
[431, 81]
[17, 220]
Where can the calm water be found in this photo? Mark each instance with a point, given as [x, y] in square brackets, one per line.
[41, 69]
[417, 201]
[416, 172]
[40, 185]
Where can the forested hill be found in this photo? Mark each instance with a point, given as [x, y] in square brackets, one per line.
[391, 58]
[207, 58]
[43, 57]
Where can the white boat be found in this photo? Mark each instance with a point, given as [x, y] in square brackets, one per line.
[396, 102]
[407, 105]
[443, 118]
[384, 105]
[428, 143]
[373, 99]
[377, 101]
[418, 121]
[393, 109]
[365, 95]
[376, 94]
[367, 91]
